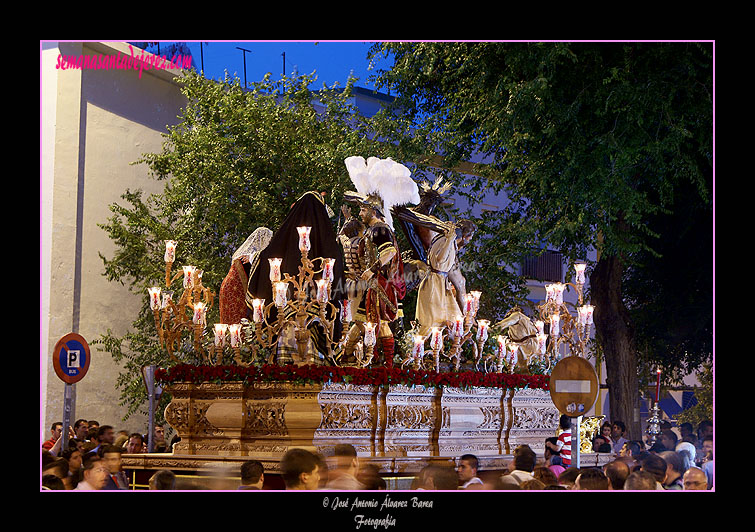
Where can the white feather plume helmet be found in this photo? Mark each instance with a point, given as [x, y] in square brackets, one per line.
[386, 178]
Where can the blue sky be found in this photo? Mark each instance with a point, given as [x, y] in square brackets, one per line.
[332, 61]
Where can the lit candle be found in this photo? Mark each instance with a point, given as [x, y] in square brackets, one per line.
[579, 276]
[436, 340]
[658, 386]
[304, 244]
[476, 295]
[234, 331]
[369, 334]
[346, 311]
[322, 290]
[189, 273]
[170, 251]
[327, 269]
[541, 343]
[257, 307]
[419, 348]
[558, 293]
[482, 330]
[512, 353]
[154, 297]
[549, 293]
[275, 270]
[281, 289]
[220, 331]
[459, 327]
[469, 305]
[501, 345]
[555, 324]
[199, 313]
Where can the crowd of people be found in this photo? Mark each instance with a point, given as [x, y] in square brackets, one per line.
[675, 461]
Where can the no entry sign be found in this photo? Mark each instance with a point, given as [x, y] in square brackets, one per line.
[573, 386]
[71, 358]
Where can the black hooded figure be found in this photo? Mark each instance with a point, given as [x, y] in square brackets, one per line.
[309, 210]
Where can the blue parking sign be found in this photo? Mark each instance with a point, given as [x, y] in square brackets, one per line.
[71, 358]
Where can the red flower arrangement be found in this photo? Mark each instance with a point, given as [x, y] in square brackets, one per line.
[380, 376]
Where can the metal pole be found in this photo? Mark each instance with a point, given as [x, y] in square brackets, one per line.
[575, 422]
[68, 398]
[150, 378]
[244, 50]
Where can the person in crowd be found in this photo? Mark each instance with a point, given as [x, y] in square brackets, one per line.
[706, 464]
[606, 430]
[252, 475]
[616, 472]
[669, 439]
[95, 474]
[136, 444]
[80, 429]
[58, 467]
[75, 457]
[591, 479]
[687, 452]
[441, 477]
[111, 459]
[640, 481]
[545, 475]
[687, 433]
[121, 438]
[160, 445]
[467, 471]
[552, 458]
[105, 436]
[563, 443]
[346, 465]
[600, 445]
[694, 479]
[523, 463]
[675, 469]
[618, 439]
[656, 466]
[631, 449]
[568, 477]
[55, 432]
[369, 476]
[300, 470]
[52, 482]
[507, 483]
[163, 479]
[532, 484]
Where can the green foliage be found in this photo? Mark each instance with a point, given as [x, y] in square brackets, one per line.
[703, 410]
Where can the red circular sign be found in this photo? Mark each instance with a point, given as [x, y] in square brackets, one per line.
[71, 358]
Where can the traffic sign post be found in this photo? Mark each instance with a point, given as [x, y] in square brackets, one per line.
[574, 389]
[70, 359]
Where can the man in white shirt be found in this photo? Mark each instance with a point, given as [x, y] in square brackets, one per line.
[467, 471]
[523, 463]
[95, 475]
[617, 436]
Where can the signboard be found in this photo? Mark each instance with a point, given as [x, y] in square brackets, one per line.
[573, 386]
[71, 358]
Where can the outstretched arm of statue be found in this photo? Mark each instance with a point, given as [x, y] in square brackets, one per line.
[384, 258]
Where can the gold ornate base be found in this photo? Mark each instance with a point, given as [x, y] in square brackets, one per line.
[266, 419]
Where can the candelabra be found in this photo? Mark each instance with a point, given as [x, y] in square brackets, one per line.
[173, 318]
[564, 327]
[302, 310]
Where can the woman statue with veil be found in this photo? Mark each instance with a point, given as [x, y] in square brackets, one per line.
[232, 297]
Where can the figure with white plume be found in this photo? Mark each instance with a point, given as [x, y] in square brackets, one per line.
[380, 185]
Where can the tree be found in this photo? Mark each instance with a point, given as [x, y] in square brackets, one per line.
[588, 140]
[237, 160]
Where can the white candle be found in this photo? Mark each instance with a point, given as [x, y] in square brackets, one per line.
[234, 331]
[369, 334]
[304, 243]
[189, 274]
[322, 290]
[548, 293]
[558, 293]
[512, 353]
[579, 276]
[199, 313]
[258, 306]
[170, 251]
[275, 270]
[589, 309]
[419, 347]
[327, 269]
[436, 340]
[346, 311]
[167, 298]
[541, 343]
[469, 305]
[281, 289]
[501, 344]
[476, 295]
[459, 327]
[220, 330]
[540, 327]
[482, 330]
[555, 324]
[154, 297]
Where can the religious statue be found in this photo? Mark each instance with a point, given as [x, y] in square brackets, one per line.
[309, 210]
[381, 184]
[233, 289]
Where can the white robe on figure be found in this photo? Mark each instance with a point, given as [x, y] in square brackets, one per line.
[436, 303]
